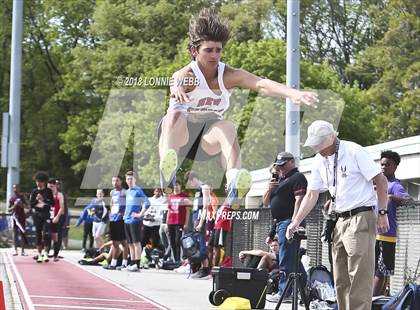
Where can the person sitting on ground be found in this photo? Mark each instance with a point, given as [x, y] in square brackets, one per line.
[104, 257]
[262, 259]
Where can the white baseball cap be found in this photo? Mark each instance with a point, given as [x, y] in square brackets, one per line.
[318, 132]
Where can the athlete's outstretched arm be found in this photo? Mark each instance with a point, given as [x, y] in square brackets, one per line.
[244, 79]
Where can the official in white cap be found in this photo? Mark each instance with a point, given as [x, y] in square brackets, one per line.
[348, 172]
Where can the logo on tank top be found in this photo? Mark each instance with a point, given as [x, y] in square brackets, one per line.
[208, 101]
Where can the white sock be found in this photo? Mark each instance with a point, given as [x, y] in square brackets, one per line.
[124, 262]
[231, 175]
[113, 262]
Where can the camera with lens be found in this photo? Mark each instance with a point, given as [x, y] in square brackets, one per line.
[274, 177]
[300, 234]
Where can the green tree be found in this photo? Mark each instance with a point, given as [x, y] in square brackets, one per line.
[389, 70]
[332, 30]
[51, 29]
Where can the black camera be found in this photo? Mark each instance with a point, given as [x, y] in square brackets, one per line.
[300, 234]
[274, 177]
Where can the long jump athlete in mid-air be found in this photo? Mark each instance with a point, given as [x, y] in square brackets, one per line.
[193, 126]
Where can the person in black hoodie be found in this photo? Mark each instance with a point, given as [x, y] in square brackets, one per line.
[41, 201]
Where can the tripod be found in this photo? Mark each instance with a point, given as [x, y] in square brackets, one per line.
[295, 279]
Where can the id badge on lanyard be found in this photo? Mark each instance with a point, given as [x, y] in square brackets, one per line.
[333, 190]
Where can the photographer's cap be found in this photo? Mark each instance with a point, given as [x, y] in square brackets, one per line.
[318, 132]
[283, 158]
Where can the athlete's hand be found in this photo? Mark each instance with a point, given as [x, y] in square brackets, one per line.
[305, 97]
[39, 197]
[178, 92]
[382, 223]
[40, 205]
[55, 220]
[291, 229]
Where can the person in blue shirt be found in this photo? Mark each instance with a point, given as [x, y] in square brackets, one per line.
[116, 225]
[136, 205]
[87, 217]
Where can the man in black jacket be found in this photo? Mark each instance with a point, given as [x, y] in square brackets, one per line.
[42, 200]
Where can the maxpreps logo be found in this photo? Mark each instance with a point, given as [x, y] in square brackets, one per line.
[244, 215]
[240, 215]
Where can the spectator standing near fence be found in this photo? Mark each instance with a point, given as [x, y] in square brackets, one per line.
[284, 195]
[153, 219]
[221, 229]
[137, 204]
[67, 217]
[177, 218]
[198, 213]
[41, 200]
[100, 218]
[385, 242]
[87, 218]
[116, 224]
[17, 206]
[57, 218]
[163, 229]
[348, 171]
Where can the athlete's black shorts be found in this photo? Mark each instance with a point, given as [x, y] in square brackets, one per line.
[384, 258]
[193, 150]
[133, 232]
[117, 230]
[53, 227]
[218, 238]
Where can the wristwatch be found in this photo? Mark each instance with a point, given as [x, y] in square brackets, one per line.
[383, 212]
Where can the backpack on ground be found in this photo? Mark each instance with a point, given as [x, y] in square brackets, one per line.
[91, 253]
[408, 298]
[193, 247]
[168, 265]
[321, 284]
[273, 281]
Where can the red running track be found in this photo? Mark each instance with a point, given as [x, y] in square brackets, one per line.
[63, 285]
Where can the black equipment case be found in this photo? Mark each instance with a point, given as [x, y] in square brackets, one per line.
[249, 283]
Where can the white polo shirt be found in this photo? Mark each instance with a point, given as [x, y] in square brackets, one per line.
[355, 171]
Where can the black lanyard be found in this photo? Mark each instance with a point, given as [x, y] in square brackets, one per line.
[337, 146]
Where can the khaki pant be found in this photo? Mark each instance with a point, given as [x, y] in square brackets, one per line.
[354, 260]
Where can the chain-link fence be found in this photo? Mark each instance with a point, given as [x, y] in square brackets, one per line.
[247, 235]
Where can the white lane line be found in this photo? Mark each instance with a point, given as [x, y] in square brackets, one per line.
[13, 288]
[77, 307]
[22, 286]
[118, 285]
[88, 298]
